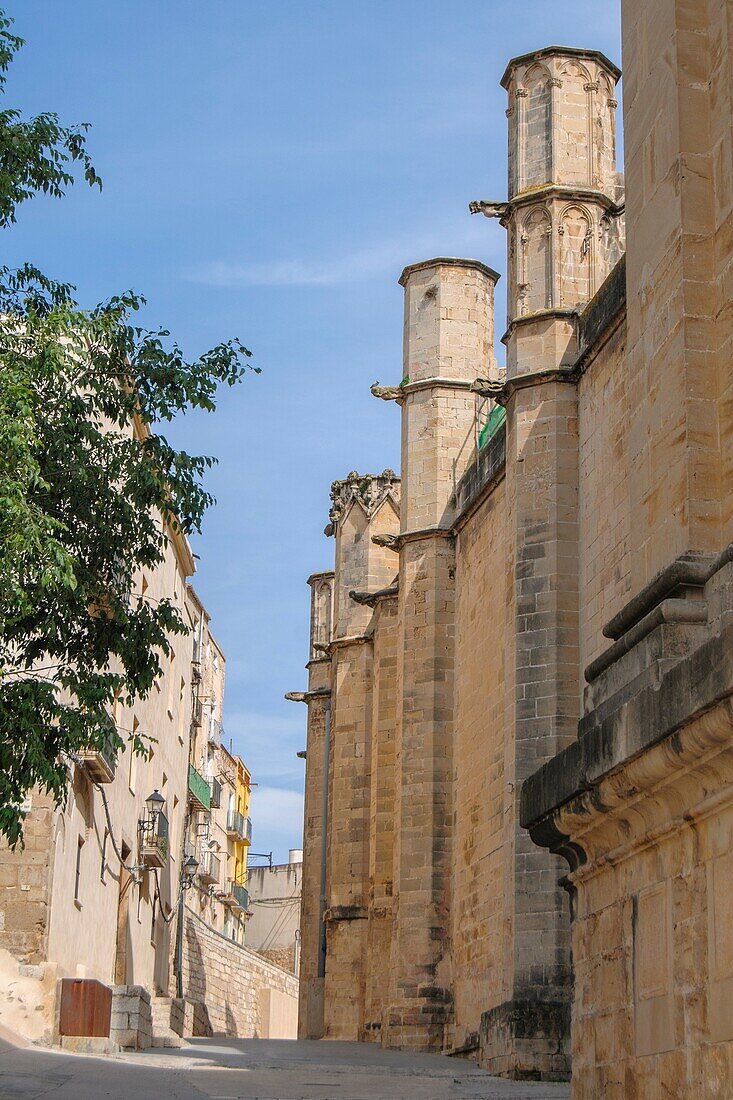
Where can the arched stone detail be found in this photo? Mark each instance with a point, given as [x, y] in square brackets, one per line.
[535, 128]
[322, 614]
[577, 251]
[535, 270]
[575, 141]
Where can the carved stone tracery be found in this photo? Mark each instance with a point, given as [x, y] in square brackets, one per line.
[369, 490]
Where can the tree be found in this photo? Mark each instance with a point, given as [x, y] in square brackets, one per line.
[89, 487]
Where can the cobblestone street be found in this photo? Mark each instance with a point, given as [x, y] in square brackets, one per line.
[230, 1069]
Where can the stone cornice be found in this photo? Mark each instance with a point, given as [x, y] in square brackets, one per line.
[318, 661]
[426, 533]
[562, 51]
[399, 393]
[437, 383]
[668, 611]
[327, 574]
[448, 261]
[503, 209]
[678, 781]
[502, 392]
[349, 640]
[653, 735]
[539, 315]
[688, 571]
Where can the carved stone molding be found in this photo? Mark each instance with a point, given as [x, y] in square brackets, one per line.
[676, 781]
[502, 390]
[369, 490]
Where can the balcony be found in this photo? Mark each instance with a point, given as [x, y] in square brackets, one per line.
[235, 896]
[199, 791]
[209, 869]
[241, 896]
[197, 714]
[154, 842]
[101, 762]
[216, 732]
[239, 827]
[215, 794]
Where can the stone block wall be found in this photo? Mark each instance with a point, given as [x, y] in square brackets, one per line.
[25, 885]
[225, 981]
[131, 1023]
[481, 910]
[605, 515]
[284, 957]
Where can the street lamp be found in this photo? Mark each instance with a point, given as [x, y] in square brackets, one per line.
[154, 804]
[190, 867]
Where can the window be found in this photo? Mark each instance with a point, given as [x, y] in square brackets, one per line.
[77, 873]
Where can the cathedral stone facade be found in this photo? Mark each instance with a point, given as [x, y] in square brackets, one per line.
[519, 786]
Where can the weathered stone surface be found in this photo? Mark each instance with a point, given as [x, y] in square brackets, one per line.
[557, 653]
[223, 982]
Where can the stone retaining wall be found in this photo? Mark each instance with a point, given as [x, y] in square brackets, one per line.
[230, 982]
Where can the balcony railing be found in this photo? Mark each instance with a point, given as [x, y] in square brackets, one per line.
[209, 868]
[199, 791]
[101, 762]
[239, 827]
[240, 895]
[215, 794]
[154, 841]
[197, 713]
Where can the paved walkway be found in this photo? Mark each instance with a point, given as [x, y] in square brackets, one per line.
[256, 1069]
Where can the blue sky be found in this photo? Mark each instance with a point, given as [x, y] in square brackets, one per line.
[269, 167]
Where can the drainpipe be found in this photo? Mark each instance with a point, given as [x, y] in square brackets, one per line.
[324, 840]
[179, 950]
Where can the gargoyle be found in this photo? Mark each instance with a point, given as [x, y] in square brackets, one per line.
[489, 209]
[389, 542]
[490, 387]
[369, 599]
[387, 393]
[360, 597]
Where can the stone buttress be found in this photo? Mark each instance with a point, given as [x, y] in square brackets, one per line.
[362, 507]
[564, 233]
[448, 340]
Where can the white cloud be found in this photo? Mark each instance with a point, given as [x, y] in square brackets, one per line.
[268, 743]
[359, 265]
[277, 821]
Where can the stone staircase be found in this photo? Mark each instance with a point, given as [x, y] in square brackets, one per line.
[169, 1018]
